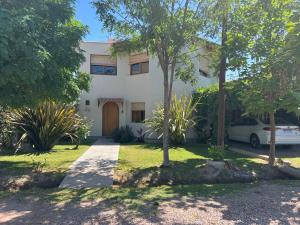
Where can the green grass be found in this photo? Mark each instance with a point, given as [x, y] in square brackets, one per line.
[56, 160]
[139, 157]
[163, 192]
[295, 161]
[139, 165]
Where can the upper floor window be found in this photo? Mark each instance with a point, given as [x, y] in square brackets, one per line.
[139, 63]
[138, 68]
[103, 65]
[103, 70]
[203, 73]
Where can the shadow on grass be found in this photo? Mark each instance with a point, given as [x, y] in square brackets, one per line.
[68, 144]
[189, 170]
[246, 162]
[13, 165]
[145, 146]
[234, 202]
[193, 171]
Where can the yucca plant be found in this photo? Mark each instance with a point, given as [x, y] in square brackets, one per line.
[181, 119]
[45, 125]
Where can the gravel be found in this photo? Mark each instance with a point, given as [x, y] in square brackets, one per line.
[262, 204]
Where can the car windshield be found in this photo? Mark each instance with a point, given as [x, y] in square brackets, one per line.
[279, 121]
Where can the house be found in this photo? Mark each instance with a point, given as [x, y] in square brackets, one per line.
[126, 89]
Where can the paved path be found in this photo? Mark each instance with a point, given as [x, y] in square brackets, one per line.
[94, 168]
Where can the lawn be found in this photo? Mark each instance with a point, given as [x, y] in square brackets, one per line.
[55, 162]
[295, 161]
[135, 158]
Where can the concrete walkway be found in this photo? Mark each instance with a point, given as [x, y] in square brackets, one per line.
[95, 167]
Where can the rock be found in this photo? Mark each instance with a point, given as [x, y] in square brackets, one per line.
[211, 172]
[216, 164]
[290, 171]
[18, 183]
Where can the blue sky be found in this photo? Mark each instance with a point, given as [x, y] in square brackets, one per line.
[86, 13]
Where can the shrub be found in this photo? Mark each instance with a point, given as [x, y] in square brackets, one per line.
[141, 135]
[81, 132]
[45, 125]
[123, 134]
[7, 132]
[216, 153]
[181, 119]
[207, 109]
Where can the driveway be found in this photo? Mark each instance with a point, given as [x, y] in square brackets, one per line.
[281, 151]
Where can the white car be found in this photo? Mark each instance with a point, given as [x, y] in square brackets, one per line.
[257, 132]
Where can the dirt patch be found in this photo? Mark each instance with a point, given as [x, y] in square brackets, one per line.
[22, 182]
[210, 173]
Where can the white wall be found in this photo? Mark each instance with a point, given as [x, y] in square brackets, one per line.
[146, 88]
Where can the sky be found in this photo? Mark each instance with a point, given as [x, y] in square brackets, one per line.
[86, 13]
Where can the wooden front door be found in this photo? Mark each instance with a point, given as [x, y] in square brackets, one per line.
[110, 118]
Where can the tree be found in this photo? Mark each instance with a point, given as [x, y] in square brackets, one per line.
[218, 18]
[168, 29]
[39, 52]
[261, 46]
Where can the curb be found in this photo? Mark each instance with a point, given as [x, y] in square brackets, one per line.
[285, 167]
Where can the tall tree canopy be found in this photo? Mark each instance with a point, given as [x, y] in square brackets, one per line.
[165, 28]
[39, 52]
[263, 47]
[218, 15]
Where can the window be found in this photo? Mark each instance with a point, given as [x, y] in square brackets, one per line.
[139, 63]
[138, 112]
[203, 73]
[245, 121]
[252, 121]
[103, 70]
[138, 68]
[278, 121]
[103, 65]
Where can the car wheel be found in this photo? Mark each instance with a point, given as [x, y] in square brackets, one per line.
[254, 141]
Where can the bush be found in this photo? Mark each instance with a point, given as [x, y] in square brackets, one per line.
[141, 135]
[123, 134]
[207, 109]
[81, 132]
[216, 153]
[7, 133]
[45, 125]
[181, 119]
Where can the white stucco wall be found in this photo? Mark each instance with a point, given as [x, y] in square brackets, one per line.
[146, 88]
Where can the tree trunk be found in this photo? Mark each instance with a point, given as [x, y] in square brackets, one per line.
[166, 161]
[222, 80]
[272, 141]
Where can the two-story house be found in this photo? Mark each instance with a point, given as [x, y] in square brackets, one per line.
[126, 89]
